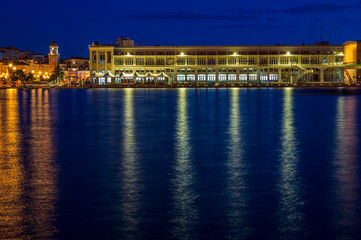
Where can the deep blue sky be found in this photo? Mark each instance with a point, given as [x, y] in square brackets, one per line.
[75, 24]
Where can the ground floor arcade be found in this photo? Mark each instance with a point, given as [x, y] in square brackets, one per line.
[218, 76]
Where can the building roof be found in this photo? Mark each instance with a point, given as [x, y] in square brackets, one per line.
[53, 44]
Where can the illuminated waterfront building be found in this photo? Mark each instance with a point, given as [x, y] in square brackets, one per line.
[352, 61]
[218, 65]
[76, 70]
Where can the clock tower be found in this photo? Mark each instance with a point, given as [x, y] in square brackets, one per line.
[53, 56]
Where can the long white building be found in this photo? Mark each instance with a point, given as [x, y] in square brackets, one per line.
[218, 65]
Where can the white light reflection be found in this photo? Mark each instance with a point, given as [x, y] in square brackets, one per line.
[236, 185]
[346, 163]
[291, 218]
[130, 165]
[184, 213]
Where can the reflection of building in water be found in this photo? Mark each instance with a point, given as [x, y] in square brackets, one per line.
[42, 168]
[346, 162]
[291, 218]
[184, 213]
[28, 180]
[130, 175]
[236, 172]
[11, 170]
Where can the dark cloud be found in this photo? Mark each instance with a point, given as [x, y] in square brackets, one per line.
[318, 8]
[298, 10]
[253, 26]
[187, 15]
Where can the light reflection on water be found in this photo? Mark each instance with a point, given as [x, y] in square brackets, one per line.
[236, 184]
[28, 183]
[39, 188]
[11, 170]
[291, 216]
[184, 210]
[346, 162]
[131, 170]
[43, 170]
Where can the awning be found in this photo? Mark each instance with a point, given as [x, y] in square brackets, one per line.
[96, 75]
[122, 74]
[148, 74]
[108, 74]
[136, 74]
[162, 74]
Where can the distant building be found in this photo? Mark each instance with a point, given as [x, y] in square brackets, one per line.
[76, 70]
[124, 42]
[27, 65]
[79, 63]
[12, 53]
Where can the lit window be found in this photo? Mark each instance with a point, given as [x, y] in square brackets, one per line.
[264, 78]
[211, 77]
[129, 61]
[232, 61]
[201, 61]
[273, 77]
[181, 77]
[160, 61]
[201, 77]
[253, 77]
[181, 61]
[243, 61]
[243, 77]
[222, 61]
[232, 77]
[191, 61]
[284, 60]
[191, 77]
[222, 77]
[211, 61]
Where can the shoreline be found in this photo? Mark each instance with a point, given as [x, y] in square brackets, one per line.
[277, 85]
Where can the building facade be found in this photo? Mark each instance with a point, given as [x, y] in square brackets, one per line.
[39, 71]
[352, 61]
[216, 65]
[76, 71]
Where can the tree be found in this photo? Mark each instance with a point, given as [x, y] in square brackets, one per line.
[58, 74]
[17, 75]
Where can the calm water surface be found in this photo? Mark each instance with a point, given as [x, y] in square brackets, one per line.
[179, 164]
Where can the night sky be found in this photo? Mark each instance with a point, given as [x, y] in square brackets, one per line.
[76, 24]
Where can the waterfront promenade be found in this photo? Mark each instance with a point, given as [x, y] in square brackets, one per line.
[270, 85]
